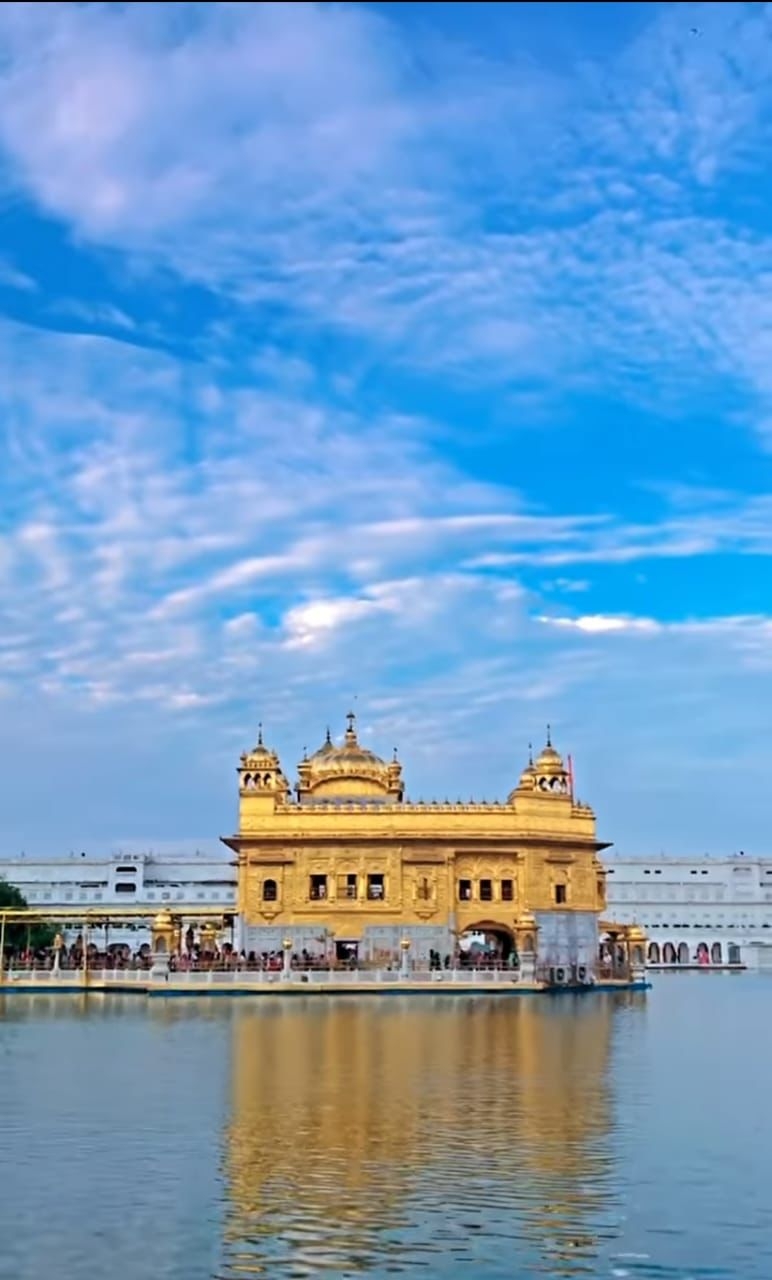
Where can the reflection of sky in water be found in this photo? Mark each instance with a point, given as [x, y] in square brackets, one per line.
[441, 1137]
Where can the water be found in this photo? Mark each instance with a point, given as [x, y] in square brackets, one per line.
[472, 1138]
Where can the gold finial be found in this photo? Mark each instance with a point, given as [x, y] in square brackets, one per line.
[328, 737]
[395, 756]
[351, 733]
[305, 753]
[530, 754]
[549, 736]
[260, 734]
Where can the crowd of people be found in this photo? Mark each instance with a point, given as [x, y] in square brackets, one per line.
[194, 957]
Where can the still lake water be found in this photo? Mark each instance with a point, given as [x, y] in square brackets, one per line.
[607, 1135]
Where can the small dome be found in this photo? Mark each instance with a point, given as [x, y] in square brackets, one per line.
[260, 756]
[327, 748]
[527, 779]
[260, 750]
[549, 763]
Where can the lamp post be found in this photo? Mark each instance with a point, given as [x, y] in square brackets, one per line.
[2, 948]
[58, 945]
[287, 958]
[403, 963]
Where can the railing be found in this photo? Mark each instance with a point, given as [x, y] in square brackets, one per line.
[268, 977]
[71, 977]
[222, 978]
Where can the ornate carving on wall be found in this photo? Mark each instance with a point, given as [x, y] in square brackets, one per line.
[513, 855]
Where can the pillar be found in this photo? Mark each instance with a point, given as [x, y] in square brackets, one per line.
[404, 968]
[162, 944]
[208, 938]
[636, 953]
[526, 940]
[287, 957]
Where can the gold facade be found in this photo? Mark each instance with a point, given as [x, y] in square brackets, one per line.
[343, 858]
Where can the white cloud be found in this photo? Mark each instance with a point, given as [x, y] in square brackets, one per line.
[307, 624]
[313, 157]
[192, 542]
[749, 633]
[599, 623]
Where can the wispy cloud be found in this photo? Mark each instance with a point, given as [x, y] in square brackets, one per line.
[312, 158]
[12, 278]
[346, 354]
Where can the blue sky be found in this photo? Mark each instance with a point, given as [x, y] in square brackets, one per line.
[415, 354]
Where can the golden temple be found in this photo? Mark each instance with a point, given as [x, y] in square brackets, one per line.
[341, 866]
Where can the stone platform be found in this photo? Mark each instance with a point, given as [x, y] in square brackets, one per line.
[298, 983]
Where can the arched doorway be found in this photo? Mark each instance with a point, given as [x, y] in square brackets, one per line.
[683, 953]
[653, 953]
[703, 954]
[668, 953]
[715, 953]
[734, 953]
[487, 944]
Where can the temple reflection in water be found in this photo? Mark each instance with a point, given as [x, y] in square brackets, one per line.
[368, 1134]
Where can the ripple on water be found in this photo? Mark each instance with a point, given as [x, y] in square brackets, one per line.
[452, 1139]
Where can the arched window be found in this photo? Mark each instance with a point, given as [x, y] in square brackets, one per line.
[267, 780]
[248, 782]
[715, 953]
[653, 953]
[683, 953]
[270, 893]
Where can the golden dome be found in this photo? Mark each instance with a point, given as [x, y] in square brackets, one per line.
[549, 763]
[546, 776]
[635, 933]
[348, 771]
[327, 748]
[260, 756]
[162, 921]
[527, 778]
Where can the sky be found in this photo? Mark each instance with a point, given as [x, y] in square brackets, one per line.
[412, 358]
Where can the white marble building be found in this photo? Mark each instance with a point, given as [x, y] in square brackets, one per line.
[719, 909]
[124, 879]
